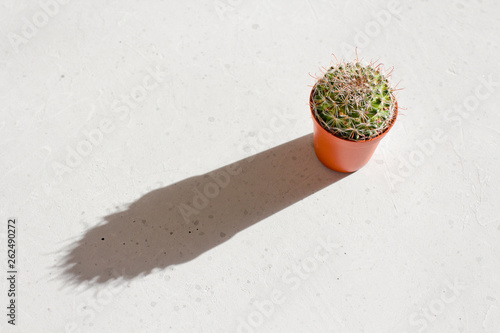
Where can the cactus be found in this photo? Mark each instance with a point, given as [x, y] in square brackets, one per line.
[354, 101]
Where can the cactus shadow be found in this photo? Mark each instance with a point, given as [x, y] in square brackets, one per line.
[175, 224]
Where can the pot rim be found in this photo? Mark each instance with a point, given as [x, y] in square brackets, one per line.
[347, 140]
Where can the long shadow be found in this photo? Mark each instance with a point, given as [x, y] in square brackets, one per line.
[177, 223]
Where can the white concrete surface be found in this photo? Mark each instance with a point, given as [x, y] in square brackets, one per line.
[113, 113]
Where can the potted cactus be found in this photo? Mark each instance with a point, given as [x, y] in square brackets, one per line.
[353, 107]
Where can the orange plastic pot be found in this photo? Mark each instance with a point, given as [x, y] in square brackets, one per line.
[340, 154]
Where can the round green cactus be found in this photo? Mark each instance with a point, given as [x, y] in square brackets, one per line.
[354, 101]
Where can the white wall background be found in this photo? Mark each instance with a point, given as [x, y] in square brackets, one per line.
[109, 108]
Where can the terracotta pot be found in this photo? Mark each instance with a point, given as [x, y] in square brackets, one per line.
[340, 154]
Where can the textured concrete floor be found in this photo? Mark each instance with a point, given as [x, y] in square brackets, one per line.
[157, 158]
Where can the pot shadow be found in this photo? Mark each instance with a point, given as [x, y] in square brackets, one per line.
[179, 222]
